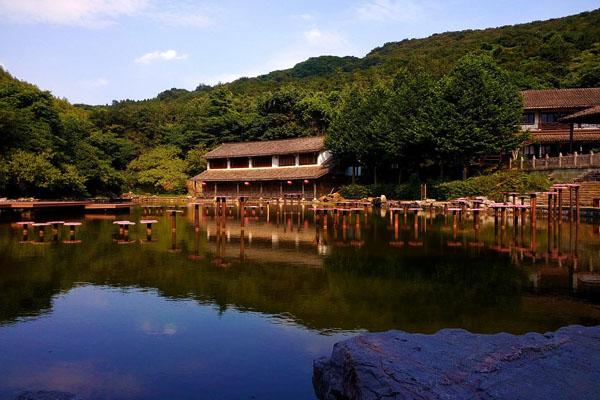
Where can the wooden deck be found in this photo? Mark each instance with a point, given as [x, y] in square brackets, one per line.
[108, 206]
[84, 204]
[47, 204]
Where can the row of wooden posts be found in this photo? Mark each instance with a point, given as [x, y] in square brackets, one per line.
[346, 210]
[40, 227]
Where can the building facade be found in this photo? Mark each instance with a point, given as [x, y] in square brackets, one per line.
[268, 169]
[543, 115]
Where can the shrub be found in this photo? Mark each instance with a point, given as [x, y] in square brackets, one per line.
[491, 185]
[354, 191]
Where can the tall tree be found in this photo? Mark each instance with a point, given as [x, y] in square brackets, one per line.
[355, 135]
[406, 121]
[479, 113]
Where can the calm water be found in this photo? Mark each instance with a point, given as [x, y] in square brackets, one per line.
[235, 312]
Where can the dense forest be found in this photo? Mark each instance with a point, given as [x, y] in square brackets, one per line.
[378, 104]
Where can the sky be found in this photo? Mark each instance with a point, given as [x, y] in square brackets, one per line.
[96, 51]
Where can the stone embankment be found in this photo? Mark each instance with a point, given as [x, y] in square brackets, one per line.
[456, 364]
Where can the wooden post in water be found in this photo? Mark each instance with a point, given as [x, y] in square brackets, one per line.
[550, 201]
[41, 228]
[242, 203]
[533, 208]
[72, 226]
[577, 202]
[560, 203]
[25, 226]
[495, 220]
[555, 205]
[173, 214]
[148, 223]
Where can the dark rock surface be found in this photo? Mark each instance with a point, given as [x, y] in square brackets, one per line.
[456, 364]
[46, 395]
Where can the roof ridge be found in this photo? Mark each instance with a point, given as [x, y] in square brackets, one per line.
[560, 89]
[274, 140]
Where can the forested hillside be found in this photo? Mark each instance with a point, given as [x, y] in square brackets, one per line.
[50, 148]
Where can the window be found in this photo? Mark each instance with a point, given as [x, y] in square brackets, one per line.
[261, 162]
[287, 160]
[529, 119]
[548, 118]
[218, 163]
[308, 158]
[240, 162]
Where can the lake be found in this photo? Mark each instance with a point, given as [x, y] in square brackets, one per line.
[239, 311]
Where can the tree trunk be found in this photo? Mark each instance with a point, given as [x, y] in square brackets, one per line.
[399, 175]
[375, 175]
[353, 174]
[464, 172]
[441, 171]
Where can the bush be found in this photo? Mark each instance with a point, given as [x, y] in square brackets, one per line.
[354, 191]
[491, 185]
[405, 191]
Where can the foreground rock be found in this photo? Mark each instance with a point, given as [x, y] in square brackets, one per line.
[456, 364]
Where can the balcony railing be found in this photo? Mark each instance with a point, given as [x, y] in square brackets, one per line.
[574, 160]
[552, 126]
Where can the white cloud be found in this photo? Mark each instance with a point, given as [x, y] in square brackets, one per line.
[303, 17]
[172, 18]
[101, 13]
[314, 42]
[389, 10]
[319, 38]
[167, 55]
[87, 13]
[311, 43]
[95, 83]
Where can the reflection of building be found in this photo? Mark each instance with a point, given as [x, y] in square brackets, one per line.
[267, 169]
[266, 243]
[542, 116]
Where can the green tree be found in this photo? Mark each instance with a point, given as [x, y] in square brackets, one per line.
[479, 113]
[405, 121]
[195, 160]
[34, 175]
[159, 169]
[355, 136]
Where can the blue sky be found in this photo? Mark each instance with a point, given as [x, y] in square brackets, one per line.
[94, 51]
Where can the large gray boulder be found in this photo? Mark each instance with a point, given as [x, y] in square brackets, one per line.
[456, 364]
[47, 395]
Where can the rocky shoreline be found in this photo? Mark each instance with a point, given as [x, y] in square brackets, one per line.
[456, 364]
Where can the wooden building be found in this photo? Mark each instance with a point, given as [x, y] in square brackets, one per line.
[268, 169]
[546, 116]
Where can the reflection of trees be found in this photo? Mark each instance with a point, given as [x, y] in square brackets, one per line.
[376, 289]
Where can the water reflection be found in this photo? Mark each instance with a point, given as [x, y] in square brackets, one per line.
[328, 268]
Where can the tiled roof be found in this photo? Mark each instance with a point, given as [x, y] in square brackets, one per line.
[561, 98]
[558, 136]
[263, 174]
[589, 115]
[268, 147]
